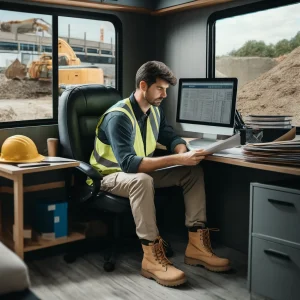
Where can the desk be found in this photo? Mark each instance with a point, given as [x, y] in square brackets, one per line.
[16, 175]
[227, 183]
[243, 163]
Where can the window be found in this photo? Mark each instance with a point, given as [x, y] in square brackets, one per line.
[6, 46]
[91, 50]
[22, 99]
[46, 49]
[92, 35]
[260, 45]
[107, 52]
[51, 49]
[77, 49]
[28, 47]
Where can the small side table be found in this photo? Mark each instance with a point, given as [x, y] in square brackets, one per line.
[16, 175]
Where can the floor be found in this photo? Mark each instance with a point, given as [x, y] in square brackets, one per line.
[52, 278]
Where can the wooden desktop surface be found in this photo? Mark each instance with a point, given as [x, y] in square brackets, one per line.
[243, 163]
[14, 170]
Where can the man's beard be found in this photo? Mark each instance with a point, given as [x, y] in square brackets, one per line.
[153, 102]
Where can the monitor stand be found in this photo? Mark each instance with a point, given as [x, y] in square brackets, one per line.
[201, 143]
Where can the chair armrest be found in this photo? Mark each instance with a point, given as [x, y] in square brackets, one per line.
[89, 171]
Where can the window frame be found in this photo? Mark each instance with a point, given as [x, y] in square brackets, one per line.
[233, 12]
[57, 12]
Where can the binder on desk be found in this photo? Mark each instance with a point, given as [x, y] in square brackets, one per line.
[278, 152]
[54, 159]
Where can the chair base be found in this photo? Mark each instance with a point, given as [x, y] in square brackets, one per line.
[116, 246]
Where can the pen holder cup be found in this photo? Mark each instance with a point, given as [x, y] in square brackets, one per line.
[52, 146]
[250, 135]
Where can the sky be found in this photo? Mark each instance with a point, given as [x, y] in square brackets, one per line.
[78, 25]
[269, 26]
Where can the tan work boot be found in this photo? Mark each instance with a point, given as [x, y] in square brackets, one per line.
[199, 252]
[155, 265]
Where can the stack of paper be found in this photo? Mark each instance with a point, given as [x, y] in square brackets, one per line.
[281, 152]
[260, 122]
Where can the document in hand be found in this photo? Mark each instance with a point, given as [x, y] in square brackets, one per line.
[233, 141]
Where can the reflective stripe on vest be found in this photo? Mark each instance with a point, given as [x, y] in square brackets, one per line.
[103, 158]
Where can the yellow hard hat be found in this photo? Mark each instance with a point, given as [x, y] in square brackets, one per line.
[19, 149]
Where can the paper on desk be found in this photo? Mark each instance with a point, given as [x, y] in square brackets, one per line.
[236, 153]
[218, 146]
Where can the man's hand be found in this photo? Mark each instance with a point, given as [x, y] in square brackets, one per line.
[191, 158]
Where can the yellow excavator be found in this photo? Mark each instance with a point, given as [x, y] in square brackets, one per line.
[70, 69]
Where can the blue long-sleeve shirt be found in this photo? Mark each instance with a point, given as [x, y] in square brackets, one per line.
[116, 131]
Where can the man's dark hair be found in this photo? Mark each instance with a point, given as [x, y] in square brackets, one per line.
[152, 70]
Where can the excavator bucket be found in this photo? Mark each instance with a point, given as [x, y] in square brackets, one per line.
[16, 70]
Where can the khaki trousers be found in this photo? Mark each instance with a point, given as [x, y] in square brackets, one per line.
[139, 188]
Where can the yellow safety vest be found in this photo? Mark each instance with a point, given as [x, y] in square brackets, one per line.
[103, 158]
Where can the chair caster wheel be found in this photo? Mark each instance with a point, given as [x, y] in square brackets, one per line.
[70, 258]
[168, 249]
[108, 266]
[169, 253]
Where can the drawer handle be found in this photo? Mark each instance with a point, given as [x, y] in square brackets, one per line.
[277, 254]
[281, 202]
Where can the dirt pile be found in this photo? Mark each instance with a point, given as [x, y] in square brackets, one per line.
[276, 92]
[23, 89]
[16, 70]
[7, 113]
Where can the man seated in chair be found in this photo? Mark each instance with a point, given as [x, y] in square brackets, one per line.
[126, 137]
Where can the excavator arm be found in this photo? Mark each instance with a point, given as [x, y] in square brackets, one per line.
[41, 69]
[26, 26]
[66, 52]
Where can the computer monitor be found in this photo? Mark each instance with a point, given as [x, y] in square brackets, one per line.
[207, 105]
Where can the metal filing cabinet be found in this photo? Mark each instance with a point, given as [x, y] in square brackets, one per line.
[274, 242]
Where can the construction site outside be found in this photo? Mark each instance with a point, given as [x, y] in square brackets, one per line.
[26, 67]
[271, 89]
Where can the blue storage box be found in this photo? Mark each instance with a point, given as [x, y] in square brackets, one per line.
[51, 219]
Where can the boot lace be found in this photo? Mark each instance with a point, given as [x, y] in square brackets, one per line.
[159, 252]
[204, 236]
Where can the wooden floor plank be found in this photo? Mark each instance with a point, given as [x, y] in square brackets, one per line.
[38, 282]
[52, 278]
[129, 269]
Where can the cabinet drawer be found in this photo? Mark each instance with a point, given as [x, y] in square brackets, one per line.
[275, 270]
[276, 214]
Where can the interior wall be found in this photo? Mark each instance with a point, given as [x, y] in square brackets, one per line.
[181, 44]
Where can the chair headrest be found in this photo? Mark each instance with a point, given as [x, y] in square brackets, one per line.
[80, 107]
[90, 99]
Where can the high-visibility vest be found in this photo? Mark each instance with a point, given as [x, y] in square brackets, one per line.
[103, 158]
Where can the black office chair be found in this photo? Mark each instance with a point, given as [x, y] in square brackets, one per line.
[79, 110]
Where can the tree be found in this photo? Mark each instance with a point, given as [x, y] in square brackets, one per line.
[260, 49]
[295, 41]
[254, 48]
[282, 47]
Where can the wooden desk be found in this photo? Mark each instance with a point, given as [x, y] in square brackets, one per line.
[16, 175]
[227, 186]
[243, 163]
